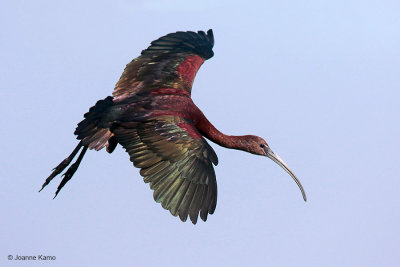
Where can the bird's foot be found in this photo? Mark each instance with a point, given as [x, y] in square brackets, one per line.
[56, 171]
[71, 170]
[67, 176]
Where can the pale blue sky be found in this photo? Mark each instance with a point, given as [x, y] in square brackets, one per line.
[319, 80]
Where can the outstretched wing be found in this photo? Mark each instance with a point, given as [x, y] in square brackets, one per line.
[176, 161]
[171, 61]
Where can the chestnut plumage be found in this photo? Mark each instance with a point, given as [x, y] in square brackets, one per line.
[152, 116]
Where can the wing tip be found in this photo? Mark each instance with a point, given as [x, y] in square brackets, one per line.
[198, 43]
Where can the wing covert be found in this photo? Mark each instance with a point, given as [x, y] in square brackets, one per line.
[171, 61]
[177, 165]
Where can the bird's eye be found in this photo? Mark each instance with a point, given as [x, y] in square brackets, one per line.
[262, 145]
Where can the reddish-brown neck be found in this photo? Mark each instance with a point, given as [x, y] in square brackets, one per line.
[228, 141]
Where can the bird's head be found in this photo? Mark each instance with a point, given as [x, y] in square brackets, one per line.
[257, 145]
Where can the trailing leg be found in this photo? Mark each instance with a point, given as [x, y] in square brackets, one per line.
[94, 133]
[57, 170]
[71, 170]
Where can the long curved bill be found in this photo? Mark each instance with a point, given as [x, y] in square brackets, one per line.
[270, 154]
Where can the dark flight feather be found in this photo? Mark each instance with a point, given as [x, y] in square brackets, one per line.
[195, 43]
[181, 174]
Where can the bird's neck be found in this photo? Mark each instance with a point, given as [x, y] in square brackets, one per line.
[228, 141]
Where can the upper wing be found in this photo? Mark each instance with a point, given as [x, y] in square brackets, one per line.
[171, 61]
[176, 161]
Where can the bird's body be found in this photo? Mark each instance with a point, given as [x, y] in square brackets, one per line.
[151, 114]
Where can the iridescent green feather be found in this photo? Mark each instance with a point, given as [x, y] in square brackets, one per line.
[181, 175]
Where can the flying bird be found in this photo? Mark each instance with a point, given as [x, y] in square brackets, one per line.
[152, 116]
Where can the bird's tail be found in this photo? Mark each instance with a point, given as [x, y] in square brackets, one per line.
[93, 133]
[94, 130]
